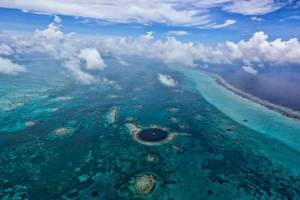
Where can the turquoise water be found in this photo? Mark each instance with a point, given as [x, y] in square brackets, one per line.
[246, 112]
[259, 118]
[63, 140]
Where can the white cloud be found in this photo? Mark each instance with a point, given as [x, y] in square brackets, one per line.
[166, 80]
[6, 50]
[173, 51]
[142, 11]
[258, 49]
[82, 54]
[73, 65]
[252, 7]
[57, 19]
[92, 58]
[190, 12]
[177, 33]
[9, 68]
[51, 33]
[50, 41]
[40, 13]
[250, 70]
[228, 22]
[53, 42]
[170, 50]
[148, 36]
[255, 18]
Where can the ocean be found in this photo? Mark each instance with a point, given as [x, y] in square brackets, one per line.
[64, 140]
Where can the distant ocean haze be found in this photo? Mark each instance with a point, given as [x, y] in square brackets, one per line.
[277, 84]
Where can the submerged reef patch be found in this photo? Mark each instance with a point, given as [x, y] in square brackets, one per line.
[61, 132]
[62, 98]
[83, 178]
[30, 123]
[113, 96]
[151, 157]
[143, 184]
[112, 116]
[173, 109]
[10, 106]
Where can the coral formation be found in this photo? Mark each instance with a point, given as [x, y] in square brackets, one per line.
[145, 184]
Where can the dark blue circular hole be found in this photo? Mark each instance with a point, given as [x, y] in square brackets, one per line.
[152, 135]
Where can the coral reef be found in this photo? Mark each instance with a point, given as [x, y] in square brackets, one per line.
[144, 184]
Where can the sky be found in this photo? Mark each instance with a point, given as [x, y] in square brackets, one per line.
[209, 21]
[252, 32]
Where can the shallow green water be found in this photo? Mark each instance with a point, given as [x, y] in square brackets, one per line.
[250, 114]
[237, 108]
[76, 149]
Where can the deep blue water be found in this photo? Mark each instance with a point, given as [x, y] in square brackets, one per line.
[153, 135]
[59, 142]
[278, 84]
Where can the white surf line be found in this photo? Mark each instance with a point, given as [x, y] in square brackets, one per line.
[259, 118]
[288, 112]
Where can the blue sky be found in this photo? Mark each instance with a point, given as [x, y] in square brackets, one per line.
[278, 21]
[190, 33]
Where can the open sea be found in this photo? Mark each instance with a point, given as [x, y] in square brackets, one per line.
[63, 140]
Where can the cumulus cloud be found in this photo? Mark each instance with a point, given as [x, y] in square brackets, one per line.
[77, 58]
[73, 65]
[51, 33]
[250, 70]
[9, 68]
[80, 55]
[51, 41]
[177, 33]
[257, 50]
[148, 36]
[171, 51]
[92, 58]
[93, 61]
[166, 80]
[57, 19]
